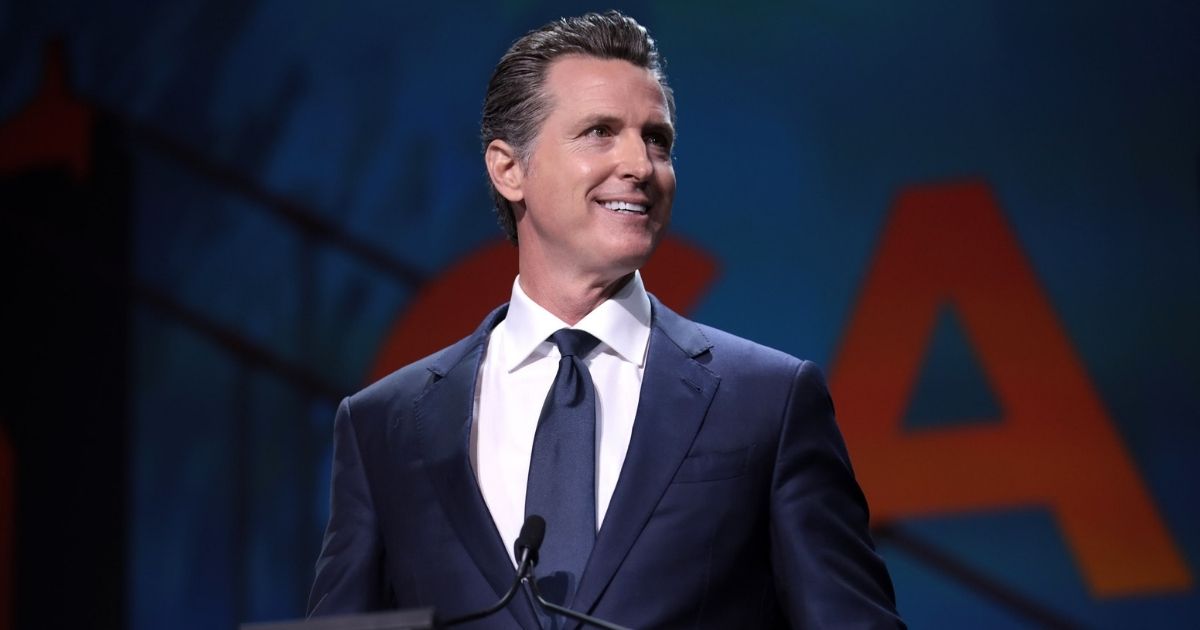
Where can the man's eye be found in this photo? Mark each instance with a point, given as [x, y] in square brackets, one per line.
[599, 132]
[658, 140]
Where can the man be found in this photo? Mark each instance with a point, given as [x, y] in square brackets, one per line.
[709, 486]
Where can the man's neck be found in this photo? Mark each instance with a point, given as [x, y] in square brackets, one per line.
[570, 299]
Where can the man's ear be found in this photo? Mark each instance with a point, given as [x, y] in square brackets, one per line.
[505, 170]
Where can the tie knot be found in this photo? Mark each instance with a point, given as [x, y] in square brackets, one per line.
[576, 343]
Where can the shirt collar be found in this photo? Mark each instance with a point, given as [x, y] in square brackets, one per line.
[621, 322]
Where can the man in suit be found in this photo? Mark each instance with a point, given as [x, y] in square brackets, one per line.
[709, 486]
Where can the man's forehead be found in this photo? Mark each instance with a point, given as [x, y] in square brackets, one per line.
[593, 82]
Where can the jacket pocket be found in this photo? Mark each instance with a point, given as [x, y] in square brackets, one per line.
[714, 466]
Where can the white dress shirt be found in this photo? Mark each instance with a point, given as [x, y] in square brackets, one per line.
[520, 363]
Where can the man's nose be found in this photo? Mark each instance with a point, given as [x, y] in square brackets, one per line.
[634, 158]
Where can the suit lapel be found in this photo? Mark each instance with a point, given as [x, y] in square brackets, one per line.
[444, 413]
[676, 393]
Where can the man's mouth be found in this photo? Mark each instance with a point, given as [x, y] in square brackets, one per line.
[625, 207]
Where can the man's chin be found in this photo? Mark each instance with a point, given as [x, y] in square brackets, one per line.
[617, 269]
[631, 257]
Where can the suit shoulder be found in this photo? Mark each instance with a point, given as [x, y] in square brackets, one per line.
[723, 352]
[746, 355]
[399, 389]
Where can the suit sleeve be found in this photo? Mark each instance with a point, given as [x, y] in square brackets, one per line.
[826, 568]
[349, 573]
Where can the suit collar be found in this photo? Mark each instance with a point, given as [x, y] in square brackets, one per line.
[443, 414]
[676, 393]
[449, 358]
[683, 332]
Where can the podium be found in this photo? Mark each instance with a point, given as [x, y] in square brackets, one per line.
[412, 619]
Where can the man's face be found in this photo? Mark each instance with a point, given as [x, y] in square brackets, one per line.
[599, 181]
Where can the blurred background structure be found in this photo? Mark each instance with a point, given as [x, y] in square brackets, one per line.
[982, 218]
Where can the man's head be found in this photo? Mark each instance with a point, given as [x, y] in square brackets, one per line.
[517, 102]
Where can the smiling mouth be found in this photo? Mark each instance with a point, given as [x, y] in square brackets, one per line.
[625, 207]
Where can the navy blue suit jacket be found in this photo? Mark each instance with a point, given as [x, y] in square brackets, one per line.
[736, 506]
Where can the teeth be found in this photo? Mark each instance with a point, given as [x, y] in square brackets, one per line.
[625, 206]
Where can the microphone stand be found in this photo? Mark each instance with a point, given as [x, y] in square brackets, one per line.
[522, 570]
[531, 580]
[526, 548]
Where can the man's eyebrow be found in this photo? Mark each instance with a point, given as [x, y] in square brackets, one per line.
[599, 119]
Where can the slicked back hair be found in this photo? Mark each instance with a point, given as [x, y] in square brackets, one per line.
[517, 104]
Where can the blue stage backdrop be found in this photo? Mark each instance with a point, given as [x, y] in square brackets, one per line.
[981, 218]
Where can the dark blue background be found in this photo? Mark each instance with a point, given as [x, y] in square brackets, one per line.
[798, 125]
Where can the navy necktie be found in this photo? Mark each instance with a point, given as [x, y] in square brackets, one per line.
[562, 470]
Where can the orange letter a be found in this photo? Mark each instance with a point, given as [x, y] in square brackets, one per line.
[948, 245]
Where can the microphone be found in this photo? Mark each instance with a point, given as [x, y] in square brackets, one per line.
[528, 543]
[526, 548]
[537, 527]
